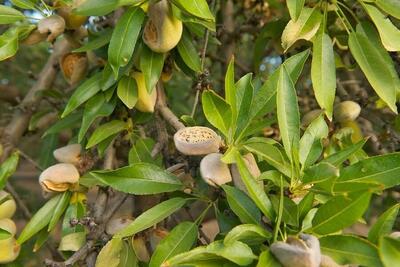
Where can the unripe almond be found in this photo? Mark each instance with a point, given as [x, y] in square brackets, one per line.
[214, 171]
[197, 140]
[7, 205]
[68, 154]
[162, 31]
[346, 111]
[74, 67]
[116, 224]
[53, 25]
[357, 134]
[252, 167]
[59, 177]
[9, 250]
[146, 101]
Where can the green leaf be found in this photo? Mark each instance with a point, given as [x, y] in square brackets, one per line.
[266, 259]
[8, 43]
[242, 205]
[24, 4]
[139, 179]
[323, 72]
[319, 173]
[41, 218]
[305, 27]
[367, 29]
[127, 256]
[141, 152]
[109, 255]
[152, 216]
[311, 146]
[95, 108]
[9, 15]
[340, 212]
[179, 240]
[249, 234]
[7, 168]
[235, 251]
[217, 111]
[244, 92]
[230, 89]
[4, 234]
[389, 250]
[295, 7]
[124, 38]
[384, 224]
[269, 153]
[383, 169]
[338, 158]
[256, 193]
[290, 212]
[102, 7]
[106, 130]
[188, 52]
[390, 35]
[151, 64]
[99, 41]
[69, 121]
[127, 91]
[59, 210]
[264, 99]
[288, 114]
[347, 249]
[84, 92]
[198, 8]
[305, 205]
[391, 7]
[374, 67]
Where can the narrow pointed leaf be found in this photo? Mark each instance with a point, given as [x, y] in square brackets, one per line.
[179, 240]
[152, 216]
[139, 178]
[295, 7]
[151, 64]
[323, 72]
[124, 37]
[288, 114]
[384, 225]
[9, 15]
[127, 91]
[106, 130]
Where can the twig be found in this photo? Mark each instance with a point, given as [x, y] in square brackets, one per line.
[20, 120]
[165, 112]
[30, 160]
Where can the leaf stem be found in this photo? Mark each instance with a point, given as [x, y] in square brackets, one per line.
[280, 211]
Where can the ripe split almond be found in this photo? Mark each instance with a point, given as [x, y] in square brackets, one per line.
[53, 25]
[59, 177]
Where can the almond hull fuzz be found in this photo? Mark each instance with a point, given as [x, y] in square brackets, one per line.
[74, 67]
[213, 171]
[59, 177]
[197, 140]
[146, 102]
[162, 31]
[346, 111]
[68, 154]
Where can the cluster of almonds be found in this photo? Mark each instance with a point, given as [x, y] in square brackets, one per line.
[9, 248]
[142, 250]
[64, 175]
[198, 141]
[301, 252]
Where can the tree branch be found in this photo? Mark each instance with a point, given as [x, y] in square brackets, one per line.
[164, 110]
